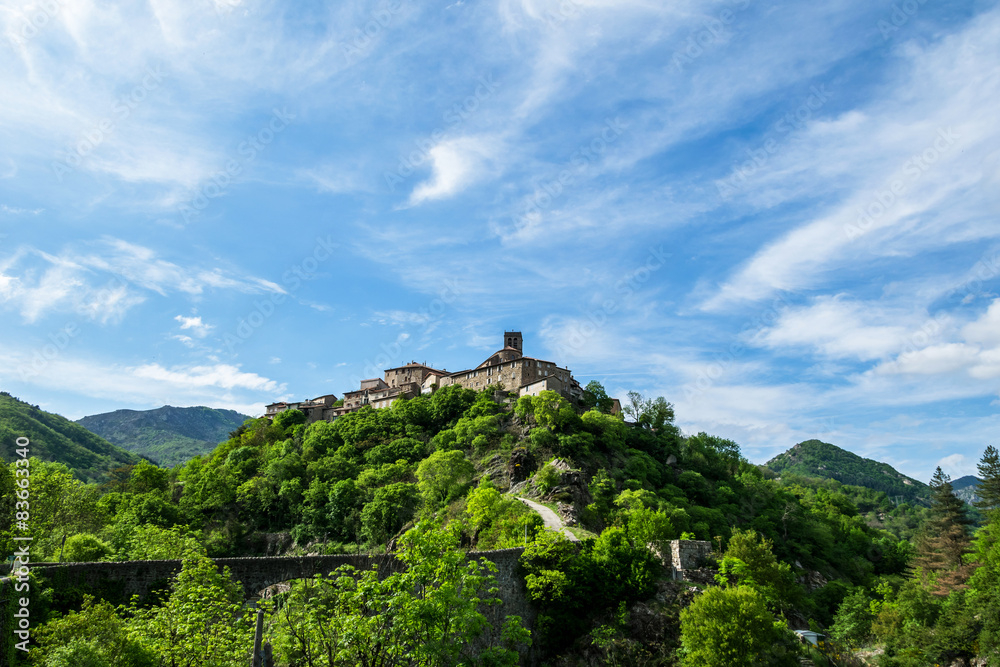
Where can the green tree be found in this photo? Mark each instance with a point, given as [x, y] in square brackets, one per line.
[596, 398]
[443, 475]
[95, 636]
[202, 623]
[750, 561]
[85, 548]
[945, 538]
[732, 627]
[989, 490]
[429, 614]
[853, 621]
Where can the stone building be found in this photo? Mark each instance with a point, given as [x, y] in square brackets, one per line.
[315, 409]
[510, 369]
[507, 369]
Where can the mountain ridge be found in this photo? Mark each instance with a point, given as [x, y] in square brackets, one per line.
[56, 438]
[169, 435]
[814, 458]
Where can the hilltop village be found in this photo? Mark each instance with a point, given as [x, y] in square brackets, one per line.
[507, 368]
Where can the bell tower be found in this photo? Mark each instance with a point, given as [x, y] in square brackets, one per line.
[513, 339]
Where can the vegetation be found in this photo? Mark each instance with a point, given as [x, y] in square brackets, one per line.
[814, 458]
[167, 435]
[55, 438]
[429, 478]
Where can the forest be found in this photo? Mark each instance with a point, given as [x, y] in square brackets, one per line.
[886, 583]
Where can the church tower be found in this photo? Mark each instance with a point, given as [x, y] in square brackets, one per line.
[513, 339]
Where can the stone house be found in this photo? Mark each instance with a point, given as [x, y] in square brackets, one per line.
[506, 369]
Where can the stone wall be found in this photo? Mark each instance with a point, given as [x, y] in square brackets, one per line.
[118, 582]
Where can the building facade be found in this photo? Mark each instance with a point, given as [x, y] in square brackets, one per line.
[507, 369]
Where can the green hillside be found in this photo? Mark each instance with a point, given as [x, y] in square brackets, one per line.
[55, 438]
[814, 458]
[168, 435]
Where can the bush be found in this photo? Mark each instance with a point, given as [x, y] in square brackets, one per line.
[85, 548]
[731, 627]
[547, 478]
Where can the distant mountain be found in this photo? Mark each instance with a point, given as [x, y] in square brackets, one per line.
[168, 435]
[55, 438]
[814, 458]
[966, 487]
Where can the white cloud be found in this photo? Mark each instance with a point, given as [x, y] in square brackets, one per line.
[456, 164]
[839, 328]
[102, 281]
[198, 328]
[217, 385]
[957, 465]
[904, 175]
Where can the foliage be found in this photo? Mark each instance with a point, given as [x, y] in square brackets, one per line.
[85, 548]
[93, 637]
[497, 521]
[428, 614]
[732, 627]
[945, 538]
[201, 623]
[820, 459]
[56, 439]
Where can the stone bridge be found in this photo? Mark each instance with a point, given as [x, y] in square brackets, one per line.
[119, 581]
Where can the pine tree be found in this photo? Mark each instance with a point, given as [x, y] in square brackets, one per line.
[945, 537]
[989, 490]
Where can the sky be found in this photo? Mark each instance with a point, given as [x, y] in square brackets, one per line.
[780, 216]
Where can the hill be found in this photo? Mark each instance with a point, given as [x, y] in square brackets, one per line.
[814, 458]
[965, 488]
[55, 438]
[167, 435]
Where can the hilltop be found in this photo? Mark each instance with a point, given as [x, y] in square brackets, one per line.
[167, 435]
[814, 458]
[55, 438]
[966, 487]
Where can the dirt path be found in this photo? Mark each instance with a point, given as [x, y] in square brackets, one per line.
[550, 518]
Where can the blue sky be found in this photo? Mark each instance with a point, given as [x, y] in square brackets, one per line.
[782, 217]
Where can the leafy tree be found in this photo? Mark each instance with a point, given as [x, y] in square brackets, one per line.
[288, 419]
[732, 627]
[749, 561]
[202, 623]
[596, 398]
[390, 508]
[498, 521]
[442, 475]
[853, 622]
[95, 636]
[85, 548]
[430, 614]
